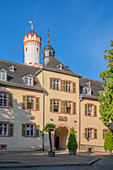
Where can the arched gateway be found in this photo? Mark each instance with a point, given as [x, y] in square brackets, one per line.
[60, 138]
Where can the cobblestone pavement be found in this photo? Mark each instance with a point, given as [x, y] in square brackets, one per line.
[106, 162]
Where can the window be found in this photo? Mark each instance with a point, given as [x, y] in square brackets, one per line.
[90, 133]
[104, 133]
[56, 106]
[59, 66]
[55, 84]
[30, 103]
[90, 110]
[26, 49]
[2, 75]
[68, 107]
[3, 99]
[29, 80]
[11, 68]
[3, 129]
[88, 91]
[30, 130]
[68, 86]
[37, 49]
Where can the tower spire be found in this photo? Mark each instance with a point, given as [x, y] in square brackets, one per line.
[48, 37]
[31, 22]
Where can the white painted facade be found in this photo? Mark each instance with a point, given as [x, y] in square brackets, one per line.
[32, 45]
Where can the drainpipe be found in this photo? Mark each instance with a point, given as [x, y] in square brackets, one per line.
[80, 99]
[43, 110]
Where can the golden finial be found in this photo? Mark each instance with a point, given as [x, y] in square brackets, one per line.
[48, 37]
[31, 22]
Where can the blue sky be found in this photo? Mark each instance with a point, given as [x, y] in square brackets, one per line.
[80, 31]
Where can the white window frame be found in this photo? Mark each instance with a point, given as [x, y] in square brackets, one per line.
[31, 99]
[57, 104]
[68, 104]
[3, 75]
[90, 133]
[29, 81]
[2, 98]
[68, 86]
[29, 128]
[90, 109]
[88, 91]
[2, 126]
[56, 84]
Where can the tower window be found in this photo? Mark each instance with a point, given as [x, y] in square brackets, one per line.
[26, 49]
[37, 49]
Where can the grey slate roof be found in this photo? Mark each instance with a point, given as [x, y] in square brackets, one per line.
[52, 65]
[16, 78]
[96, 86]
[32, 32]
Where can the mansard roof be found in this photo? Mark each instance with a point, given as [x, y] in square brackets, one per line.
[96, 87]
[16, 78]
[52, 65]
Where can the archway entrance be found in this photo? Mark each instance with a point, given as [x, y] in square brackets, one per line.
[61, 137]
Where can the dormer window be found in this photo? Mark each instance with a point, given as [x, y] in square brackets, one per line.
[11, 68]
[3, 74]
[29, 80]
[59, 66]
[88, 91]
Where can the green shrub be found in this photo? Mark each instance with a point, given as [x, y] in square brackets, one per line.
[72, 144]
[108, 144]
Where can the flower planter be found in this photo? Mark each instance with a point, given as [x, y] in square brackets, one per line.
[108, 151]
[72, 152]
[51, 154]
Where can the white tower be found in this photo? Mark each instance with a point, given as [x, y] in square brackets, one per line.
[32, 46]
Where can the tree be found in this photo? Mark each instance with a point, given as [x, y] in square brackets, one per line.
[106, 97]
[72, 144]
[49, 127]
[108, 144]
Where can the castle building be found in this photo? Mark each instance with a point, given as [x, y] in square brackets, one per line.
[32, 95]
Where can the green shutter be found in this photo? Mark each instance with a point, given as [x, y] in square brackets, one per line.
[95, 110]
[23, 129]
[86, 132]
[37, 130]
[51, 105]
[74, 108]
[63, 106]
[10, 129]
[24, 102]
[74, 87]
[10, 100]
[37, 104]
[86, 109]
[63, 85]
[51, 83]
[95, 133]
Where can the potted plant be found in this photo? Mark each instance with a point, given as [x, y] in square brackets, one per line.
[72, 143]
[108, 144]
[50, 127]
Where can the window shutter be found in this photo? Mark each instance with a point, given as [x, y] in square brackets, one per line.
[63, 106]
[95, 133]
[23, 129]
[10, 100]
[51, 105]
[95, 110]
[24, 103]
[10, 129]
[74, 108]
[86, 132]
[37, 130]
[37, 103]
[74, 87]
[86, 109]
[51, 83]
[63, 85]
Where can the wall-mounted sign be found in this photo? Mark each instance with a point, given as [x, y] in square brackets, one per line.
[63, 118]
